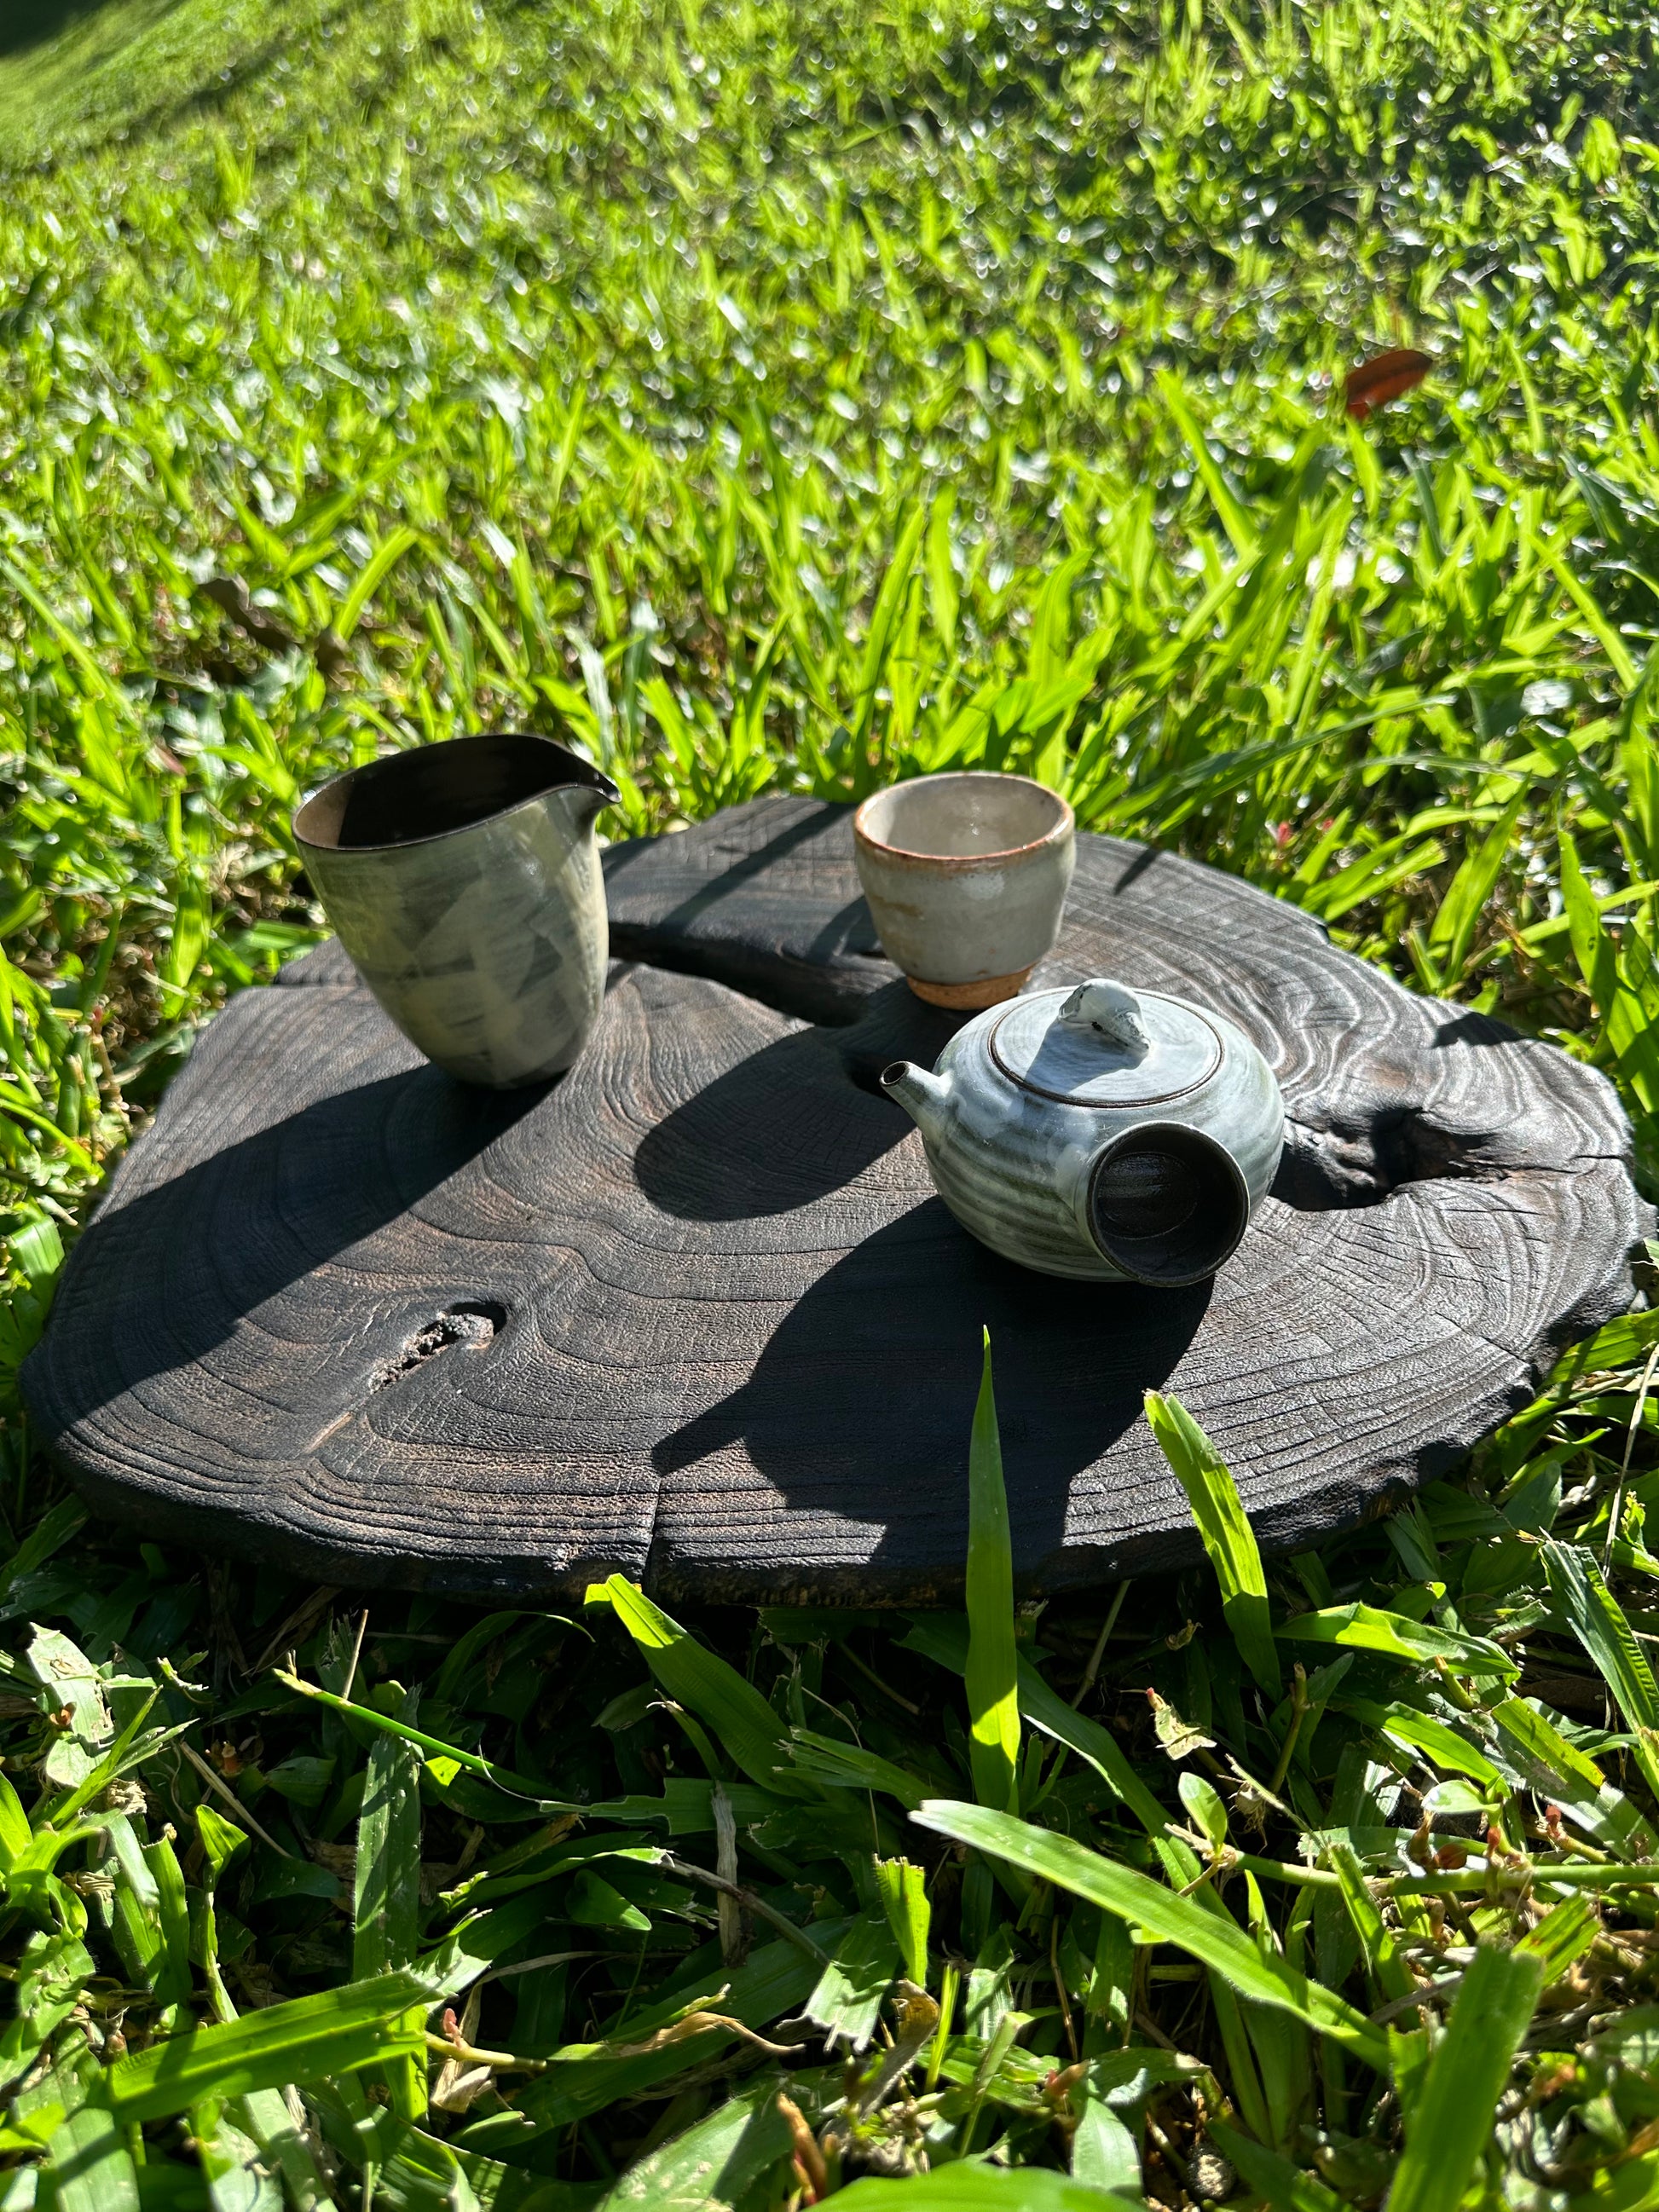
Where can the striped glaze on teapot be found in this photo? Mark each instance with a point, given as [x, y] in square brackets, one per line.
[1104, 1133]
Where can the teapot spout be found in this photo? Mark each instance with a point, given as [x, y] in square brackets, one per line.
[925, 1097]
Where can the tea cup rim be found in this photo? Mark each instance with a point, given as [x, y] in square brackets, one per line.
[1065, 825]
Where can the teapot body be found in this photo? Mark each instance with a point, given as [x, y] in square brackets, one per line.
[1080, 1151]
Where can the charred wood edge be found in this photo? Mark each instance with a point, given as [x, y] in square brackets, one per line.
[1281, 1526]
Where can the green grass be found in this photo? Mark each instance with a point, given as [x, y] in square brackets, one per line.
[82, 66]
[773, 396]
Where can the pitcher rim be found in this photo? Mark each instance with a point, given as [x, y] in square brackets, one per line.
[588, 776]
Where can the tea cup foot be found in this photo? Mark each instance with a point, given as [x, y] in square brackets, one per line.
[969, 998]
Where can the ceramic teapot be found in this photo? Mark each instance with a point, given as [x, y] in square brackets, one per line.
[1118, 1135]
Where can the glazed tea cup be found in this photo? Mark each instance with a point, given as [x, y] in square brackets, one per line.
[464, 880]
[966, 877]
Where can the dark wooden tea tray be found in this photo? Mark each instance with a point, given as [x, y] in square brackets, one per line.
[695, 1313]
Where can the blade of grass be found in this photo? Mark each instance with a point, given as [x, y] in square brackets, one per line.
[1562, 1936]
[943, 1637]
[991, 1665]
[502, 1778]
[743, 1723]
[1227, 1535]
[1467, 2072]
[386, 1892]
[90, 2167]
[1472, 886]
[1281, 2186]
[1214, 1939]
[903, 1890]
[1598, 1619]
[716, 2162]
[335, 2032]
[1369, 1628]
[1389, 1974]
[968, 2186]
[387, 1880]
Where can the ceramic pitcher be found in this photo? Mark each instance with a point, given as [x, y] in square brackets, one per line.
[464, 879]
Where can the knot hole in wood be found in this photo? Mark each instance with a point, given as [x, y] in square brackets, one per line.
[471, 1322]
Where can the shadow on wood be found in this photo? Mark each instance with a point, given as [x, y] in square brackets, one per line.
[778, 915]
[793, 1121]
[267, 1211]
[829, 1418]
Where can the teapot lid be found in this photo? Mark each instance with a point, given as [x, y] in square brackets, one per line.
[1102, 1044]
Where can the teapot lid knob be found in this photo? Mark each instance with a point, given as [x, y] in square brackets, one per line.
[1111, 1011]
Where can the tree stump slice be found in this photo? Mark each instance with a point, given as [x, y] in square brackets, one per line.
[693, 1312]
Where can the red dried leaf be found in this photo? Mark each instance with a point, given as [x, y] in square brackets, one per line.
[1384, 377]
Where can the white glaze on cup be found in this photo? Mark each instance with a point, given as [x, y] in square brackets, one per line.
[966, 877]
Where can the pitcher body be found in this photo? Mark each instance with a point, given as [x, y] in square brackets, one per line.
[464, 880]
